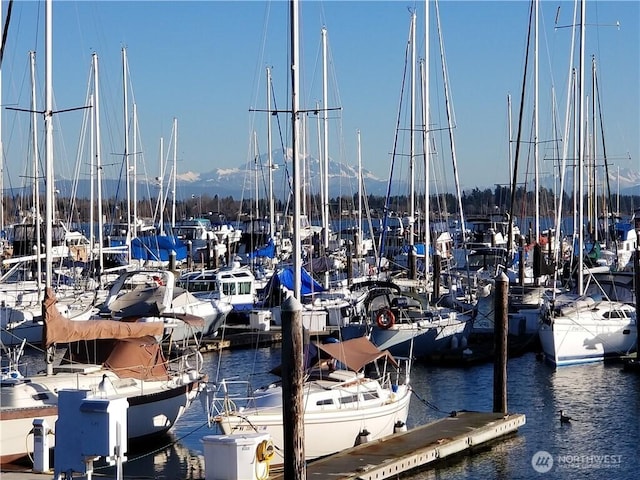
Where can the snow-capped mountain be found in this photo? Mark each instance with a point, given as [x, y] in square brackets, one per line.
[240, 182]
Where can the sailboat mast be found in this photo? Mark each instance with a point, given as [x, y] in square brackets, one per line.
[425, 138]
[175, 173]
[92, 178]
[593, 190]
[48, 124]
[98, 153]
[535, 121]
[295, 85]
[48, 127]
[161, 196]
[134, 232]
[272, 232]
[412, 195]
[581, 146]
[360, 193]
[36, 180]
[255, 176]
[125, 111]
[325, 121]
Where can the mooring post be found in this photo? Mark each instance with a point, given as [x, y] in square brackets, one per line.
[349, 264]
[172, 260]
[501, 331]
[292, 383]
[437, 270]
[411, 259]
[189, 254]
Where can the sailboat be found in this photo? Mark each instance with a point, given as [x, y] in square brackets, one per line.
[346, 388]
[340, 403]
[127, 361]
[585, 328]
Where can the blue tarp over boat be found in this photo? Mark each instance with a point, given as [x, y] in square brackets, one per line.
[158, 248]
[284, 277]
[268, 251]
[154, 247]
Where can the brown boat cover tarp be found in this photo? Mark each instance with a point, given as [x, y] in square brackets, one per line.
[58, 329]
[355, 353]
[139, 358]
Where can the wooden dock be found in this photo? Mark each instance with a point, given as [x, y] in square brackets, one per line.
[416, 448]
[242, 336]
[241, 339]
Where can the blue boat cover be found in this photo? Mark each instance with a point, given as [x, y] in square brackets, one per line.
[308, 285]
[268, 251]
[158, 248]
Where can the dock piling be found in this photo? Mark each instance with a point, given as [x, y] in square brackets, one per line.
[292, 382]
[501, 330]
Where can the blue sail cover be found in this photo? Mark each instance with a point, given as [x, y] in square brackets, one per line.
[158, 248]
[308, 284]
[268, 251]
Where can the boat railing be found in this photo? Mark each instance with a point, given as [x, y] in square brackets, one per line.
[187, 361]
[11, 364]
[229, 396]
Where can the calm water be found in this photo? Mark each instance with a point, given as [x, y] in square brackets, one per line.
[603, 400]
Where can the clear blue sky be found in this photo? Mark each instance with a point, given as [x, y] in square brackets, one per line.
[203, 62]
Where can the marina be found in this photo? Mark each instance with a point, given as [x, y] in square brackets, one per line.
[460, 334]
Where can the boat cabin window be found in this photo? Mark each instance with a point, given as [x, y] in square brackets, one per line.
[229, 288]
[324, 401]
[349, 399]
[615, 314]
[244, 288]
[370, 395]
[201, 286]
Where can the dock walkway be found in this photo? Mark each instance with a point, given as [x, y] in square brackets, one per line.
[414, 449]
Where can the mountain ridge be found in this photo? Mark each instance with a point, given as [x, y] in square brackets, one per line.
[240, 181]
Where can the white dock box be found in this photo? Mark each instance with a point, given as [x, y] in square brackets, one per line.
[260, 320]
[232, 457]
[314, 320]
[87, 427]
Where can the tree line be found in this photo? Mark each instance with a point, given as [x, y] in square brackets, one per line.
[474, 202]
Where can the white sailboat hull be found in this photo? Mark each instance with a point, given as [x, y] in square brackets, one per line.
[326, 431]
[589, 333]
[154, 407]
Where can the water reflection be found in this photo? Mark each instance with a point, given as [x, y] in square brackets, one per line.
[164, 458]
